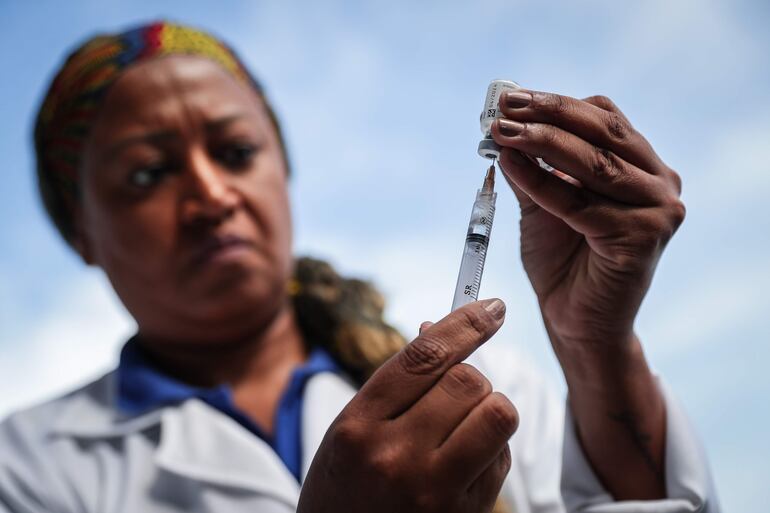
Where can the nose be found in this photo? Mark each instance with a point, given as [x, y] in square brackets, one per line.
[209, 197]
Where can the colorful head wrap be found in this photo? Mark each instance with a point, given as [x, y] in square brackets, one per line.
[72, 101]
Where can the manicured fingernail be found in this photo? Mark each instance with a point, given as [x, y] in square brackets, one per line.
[510, 128]
[495, 307]
[517, 99]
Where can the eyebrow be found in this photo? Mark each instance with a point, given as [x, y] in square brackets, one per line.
[151, 138]
[217, 124]
[164, 135]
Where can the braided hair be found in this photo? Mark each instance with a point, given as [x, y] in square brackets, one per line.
[344, 316]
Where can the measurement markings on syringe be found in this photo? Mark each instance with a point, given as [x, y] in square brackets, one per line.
[476, 243]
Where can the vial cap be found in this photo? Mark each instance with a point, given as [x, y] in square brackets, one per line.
[489, 149]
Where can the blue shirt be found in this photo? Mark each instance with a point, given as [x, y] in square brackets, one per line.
[142, 387]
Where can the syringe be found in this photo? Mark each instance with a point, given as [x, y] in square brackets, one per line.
[476, 242]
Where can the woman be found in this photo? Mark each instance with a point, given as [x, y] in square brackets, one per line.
[160, 161]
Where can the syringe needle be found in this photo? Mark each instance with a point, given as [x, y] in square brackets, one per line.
[489, 179]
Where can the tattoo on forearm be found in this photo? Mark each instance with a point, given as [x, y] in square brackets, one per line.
[640, 438]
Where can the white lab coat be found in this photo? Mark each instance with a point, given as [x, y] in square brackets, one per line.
[78, 454]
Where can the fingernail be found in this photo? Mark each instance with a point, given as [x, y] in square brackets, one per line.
[517, 99]
[424, 326]
[510, 128]
[496, 308]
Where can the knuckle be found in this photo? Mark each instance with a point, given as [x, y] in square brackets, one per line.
[426, 355]
[650, 227]
[501, 414]
[617, 126]
[386, 463]
[601, 101]
[481, 325]
[677, 181]
[553, 104]
[349, 435]
[547, 134]
[660, 225]
[465, 380]
[605, 166]
[649, 234]
[678, 212]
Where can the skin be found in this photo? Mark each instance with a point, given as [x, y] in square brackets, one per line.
[439, 443]
[591, 236]
[182, 152]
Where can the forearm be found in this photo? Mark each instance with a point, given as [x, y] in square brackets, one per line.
[619, 414]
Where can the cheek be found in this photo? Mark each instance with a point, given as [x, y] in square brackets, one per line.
[132, 241]
[268, 206]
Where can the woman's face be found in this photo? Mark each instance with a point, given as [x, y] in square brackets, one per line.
[184, 201]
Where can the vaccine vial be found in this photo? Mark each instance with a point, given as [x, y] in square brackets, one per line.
[488, 148]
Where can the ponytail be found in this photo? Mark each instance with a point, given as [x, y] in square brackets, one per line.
[344, 316]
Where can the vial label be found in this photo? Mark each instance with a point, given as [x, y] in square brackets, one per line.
[488, 115]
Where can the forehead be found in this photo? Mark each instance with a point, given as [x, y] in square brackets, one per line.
[165, 91]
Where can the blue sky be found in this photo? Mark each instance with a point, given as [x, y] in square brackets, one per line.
[380, 101]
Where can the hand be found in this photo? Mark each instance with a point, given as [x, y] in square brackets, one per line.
[424, 434]
[591, 232]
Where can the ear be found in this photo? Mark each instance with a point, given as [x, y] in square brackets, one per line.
[80, 240]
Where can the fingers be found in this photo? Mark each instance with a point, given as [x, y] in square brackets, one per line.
[475, 444]
[571, 204]
[599, 122]
[405, 378]
[436, 414]
[487, 487]
[595, 168]
[604, 103]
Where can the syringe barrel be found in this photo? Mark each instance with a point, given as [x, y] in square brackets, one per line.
[475, 249]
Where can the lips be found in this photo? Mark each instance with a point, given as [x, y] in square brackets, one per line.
[219, 247]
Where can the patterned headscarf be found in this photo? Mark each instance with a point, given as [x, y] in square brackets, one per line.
[72, 102]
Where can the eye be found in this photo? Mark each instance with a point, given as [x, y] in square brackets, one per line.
[237, 155]
[148, 176]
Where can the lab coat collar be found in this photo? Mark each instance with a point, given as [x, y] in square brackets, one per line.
[91, 413]
[203, 444]
[200, 443]
[326, 394]
[196, 441]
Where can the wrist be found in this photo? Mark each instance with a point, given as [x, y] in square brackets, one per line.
[613, 378]
[620, 417]
[603, 366]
